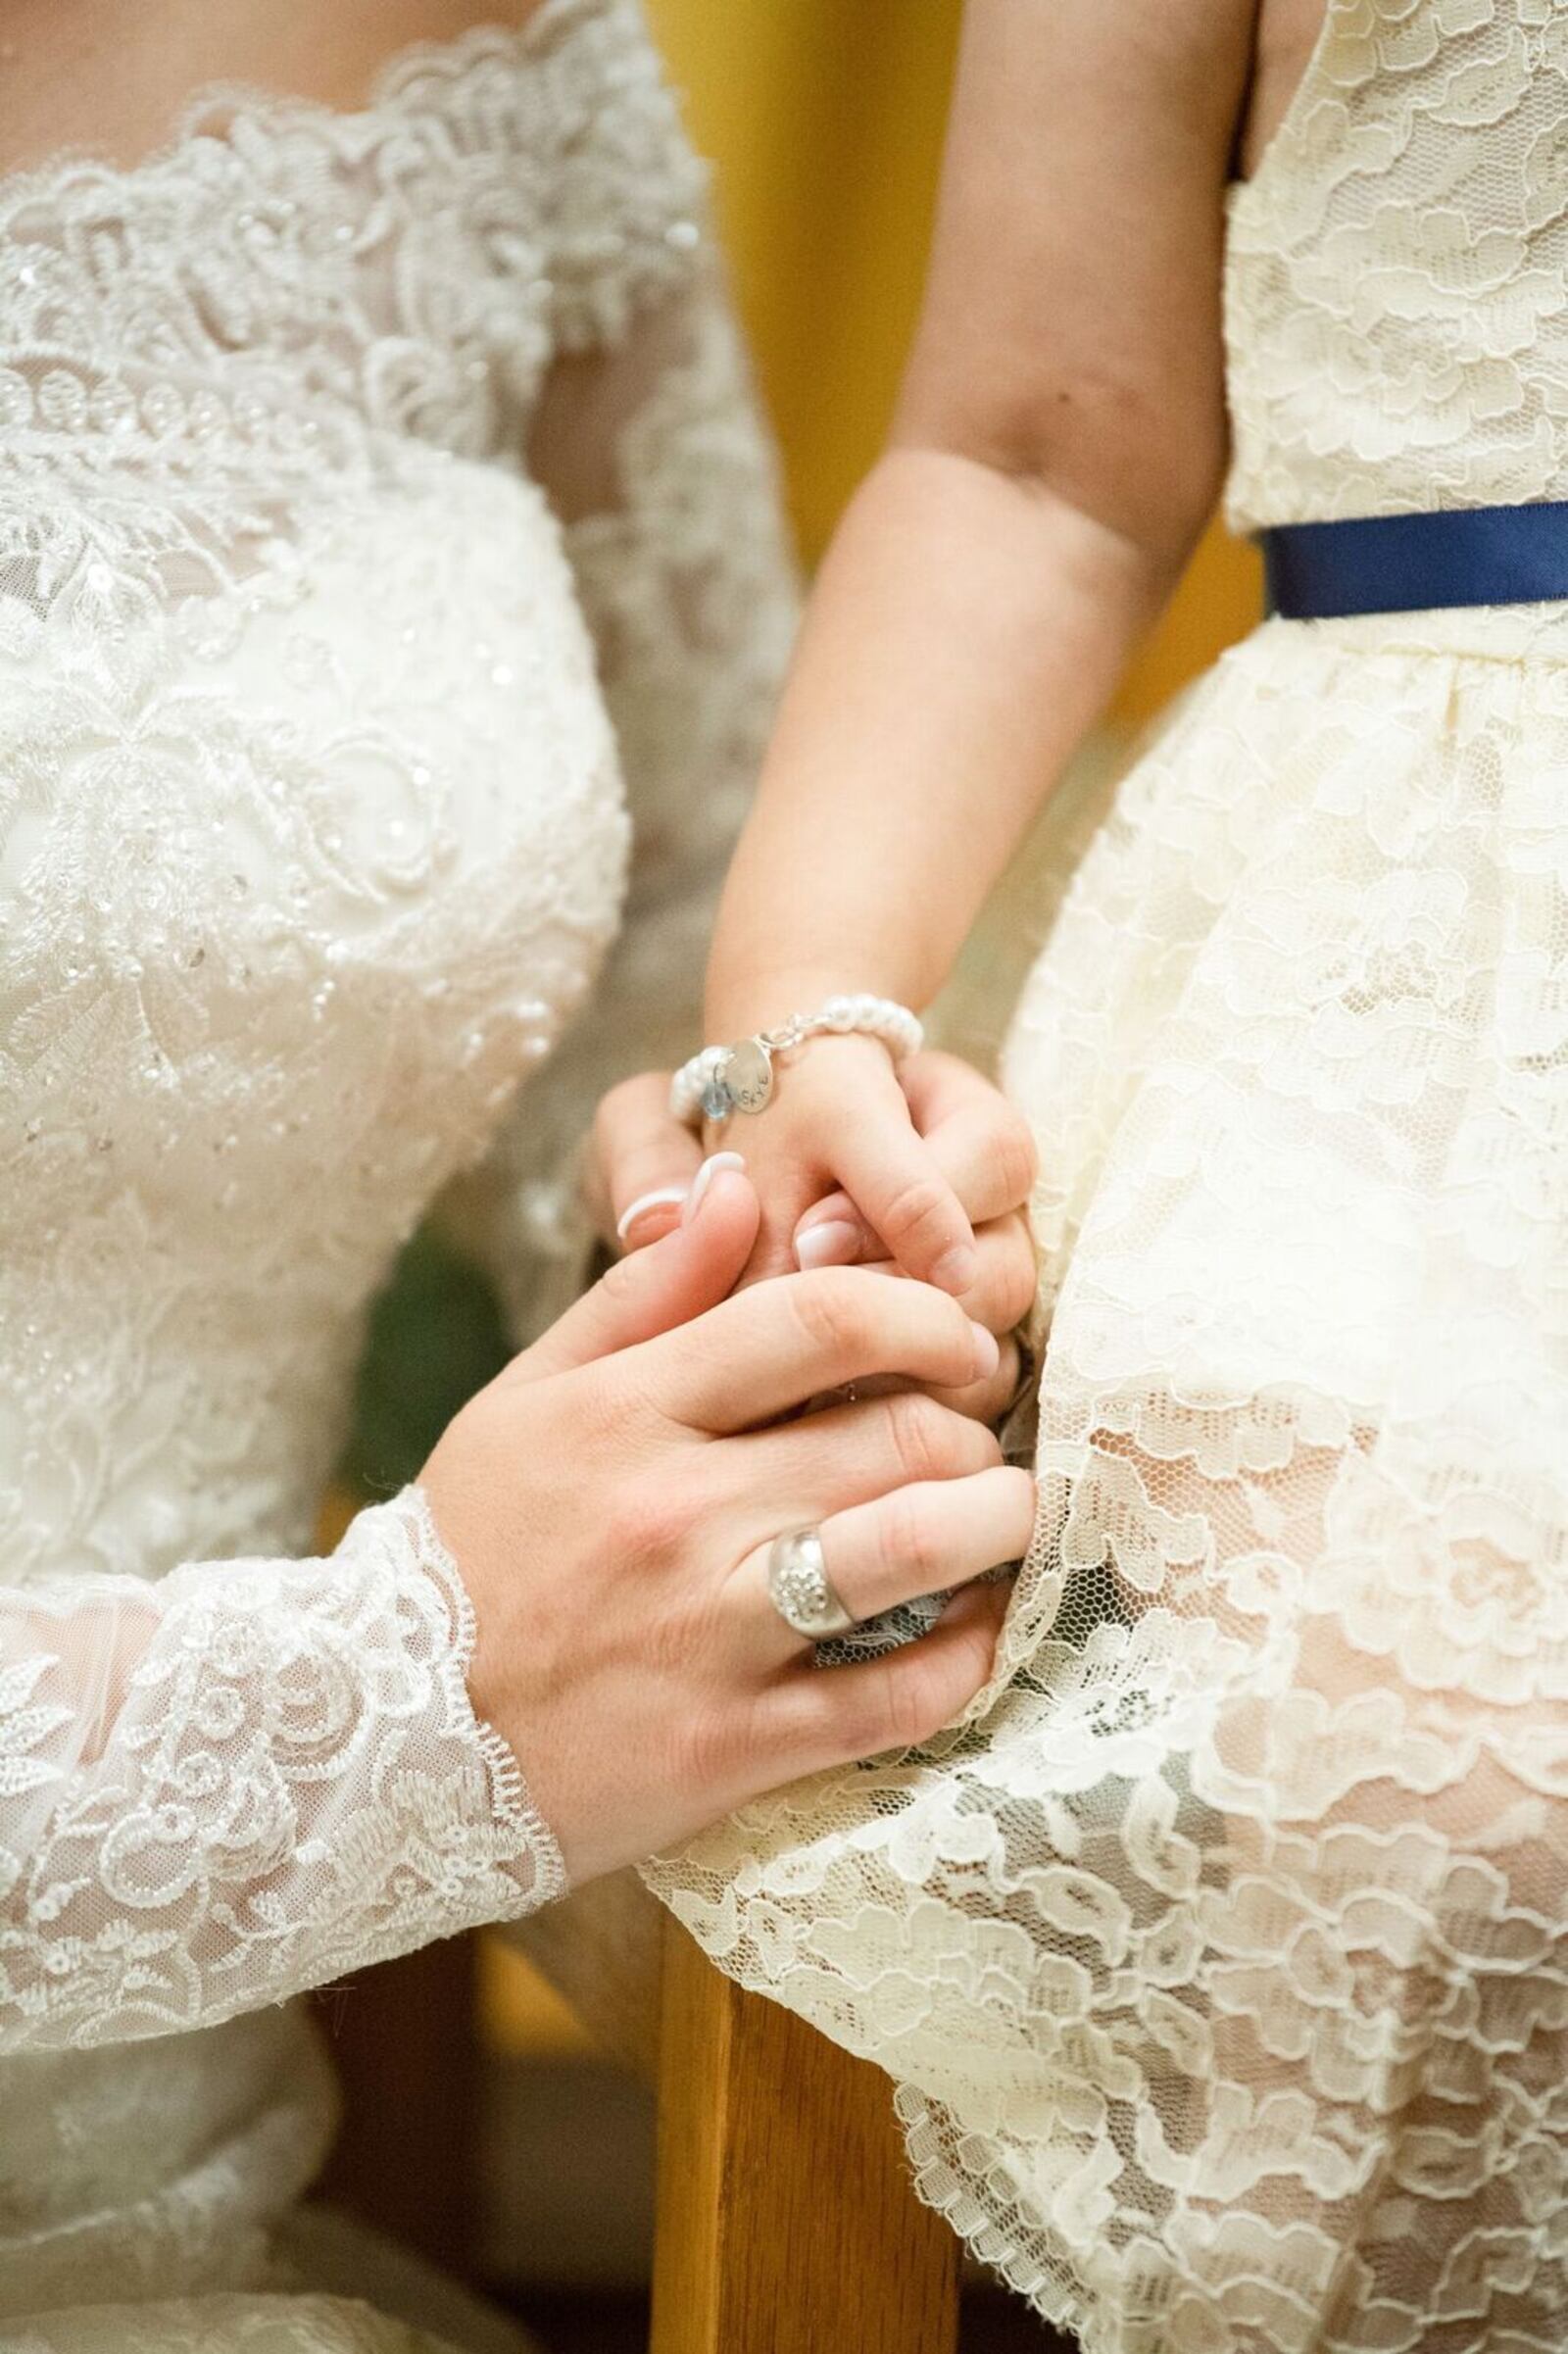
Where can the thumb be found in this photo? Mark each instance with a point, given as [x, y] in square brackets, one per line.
[667, 1284]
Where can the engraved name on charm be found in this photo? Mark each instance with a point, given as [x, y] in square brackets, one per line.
[749, 1075]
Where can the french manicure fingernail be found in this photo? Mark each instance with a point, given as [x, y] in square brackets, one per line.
[705, 1178]
[832, 1243]
[664, 1197]
[987, 1351]
[957, 1269]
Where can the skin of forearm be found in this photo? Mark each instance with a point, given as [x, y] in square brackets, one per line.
[967, 628]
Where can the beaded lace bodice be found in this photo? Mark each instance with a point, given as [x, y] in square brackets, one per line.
[1396, 333]
[312, 837]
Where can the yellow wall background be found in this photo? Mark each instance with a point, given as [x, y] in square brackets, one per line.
[824, 118]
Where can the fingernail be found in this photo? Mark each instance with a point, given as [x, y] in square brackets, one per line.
[987, 1351]
[957, 1269]
[665, 1196]
[832, 1243]
[705, 1178]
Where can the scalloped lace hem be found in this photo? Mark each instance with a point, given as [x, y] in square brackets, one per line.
[512, 1801]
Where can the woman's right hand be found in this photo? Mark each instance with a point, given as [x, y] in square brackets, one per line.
[610, 1498]
[643, 1161]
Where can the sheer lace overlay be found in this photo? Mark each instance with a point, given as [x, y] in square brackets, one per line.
[1221, 1958]
[220, 1788]
[313, 728]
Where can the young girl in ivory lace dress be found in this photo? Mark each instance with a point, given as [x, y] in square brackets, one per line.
[1222, 1954]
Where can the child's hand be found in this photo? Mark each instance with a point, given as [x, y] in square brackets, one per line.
[840, 1124]
[643, 1166]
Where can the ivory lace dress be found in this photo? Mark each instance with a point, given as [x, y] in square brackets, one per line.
[312, 836]
[1222, 1957]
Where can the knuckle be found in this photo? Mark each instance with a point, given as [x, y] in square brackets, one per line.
[647, 1523]
[915, 1703]
[1006, 1291]
[915, 1715]
[680, 1636]
[923, 1435]
[834, 1310]
[799, 1740]
[712, 1744]
[920, 1207]
[619, 1282]
[986, 1300]
[1014, 1159]
[622, 1530]
[911, 1546]
[864, 1715]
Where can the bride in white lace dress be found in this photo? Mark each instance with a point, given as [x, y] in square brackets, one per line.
[312, 836]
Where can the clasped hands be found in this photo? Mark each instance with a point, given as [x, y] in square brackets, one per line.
[612, 1497]
[922, 1171]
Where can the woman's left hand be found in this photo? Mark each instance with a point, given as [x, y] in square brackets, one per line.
[643, 1165]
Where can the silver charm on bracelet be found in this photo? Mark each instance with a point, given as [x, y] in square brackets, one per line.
[723, 1080]
[801, 1590]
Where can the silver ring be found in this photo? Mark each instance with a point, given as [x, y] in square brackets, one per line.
[801, 1590]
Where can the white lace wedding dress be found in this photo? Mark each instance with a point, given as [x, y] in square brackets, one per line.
[312, 836]
[1222, 1958]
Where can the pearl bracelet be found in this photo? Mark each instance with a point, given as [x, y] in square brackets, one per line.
[740, 1077]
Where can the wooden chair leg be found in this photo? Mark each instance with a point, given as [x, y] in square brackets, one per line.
[405, 2038]
[787, 2222]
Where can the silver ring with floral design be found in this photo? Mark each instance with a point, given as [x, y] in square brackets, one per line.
[801, 1590]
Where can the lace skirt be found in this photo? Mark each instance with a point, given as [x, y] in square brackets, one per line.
[1221, 1957]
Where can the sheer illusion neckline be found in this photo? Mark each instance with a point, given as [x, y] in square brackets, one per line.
[244, 103]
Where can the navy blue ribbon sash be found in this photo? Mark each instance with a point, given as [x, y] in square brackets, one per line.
[1400, 563]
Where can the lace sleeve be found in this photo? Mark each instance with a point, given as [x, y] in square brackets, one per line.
[651, 444]
[234, 1783]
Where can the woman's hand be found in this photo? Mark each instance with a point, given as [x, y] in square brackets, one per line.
[644, 1163]
[611, 1500]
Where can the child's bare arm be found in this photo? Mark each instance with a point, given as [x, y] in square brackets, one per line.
[1058, 444]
